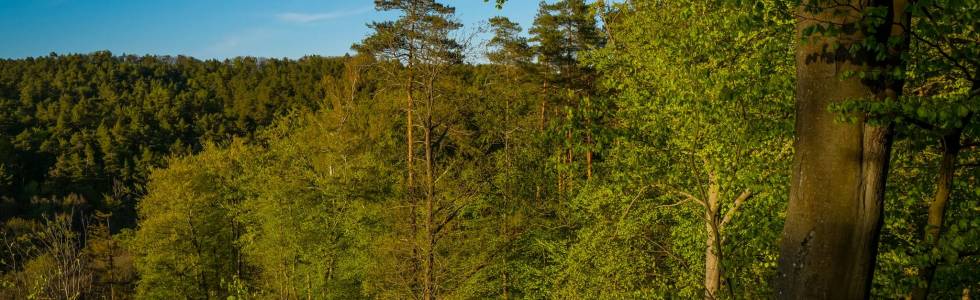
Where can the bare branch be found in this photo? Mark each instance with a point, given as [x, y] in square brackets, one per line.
[731, 212]
[683, 193]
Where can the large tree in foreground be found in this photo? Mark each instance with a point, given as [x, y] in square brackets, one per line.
[930, 227]
[851, 50]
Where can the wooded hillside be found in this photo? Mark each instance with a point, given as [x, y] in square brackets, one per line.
[612, 150]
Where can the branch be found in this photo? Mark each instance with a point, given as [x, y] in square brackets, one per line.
[630, 206]
[449, 218]
[921, 124]
[731, 212]
[966, 71]
[691, 197]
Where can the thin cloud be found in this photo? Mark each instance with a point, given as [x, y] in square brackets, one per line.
[294, 17]
[237, 43]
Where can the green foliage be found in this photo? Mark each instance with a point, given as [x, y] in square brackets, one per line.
[187, 230]
[592, 158]
[88, 124]
[903, 250]
[316, 177]
[936, 111]
[703, 96]
[51, 259]
[420, 35]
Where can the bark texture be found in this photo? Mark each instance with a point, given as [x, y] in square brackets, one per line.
[834, 216]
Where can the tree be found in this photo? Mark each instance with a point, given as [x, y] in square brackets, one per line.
[703, 108]
[833, 221]
[945, 68]
[419, 36]
[562, 31]
[184, 244]
[421, 41]
[935, 115]
[68, 277]
[81, 122]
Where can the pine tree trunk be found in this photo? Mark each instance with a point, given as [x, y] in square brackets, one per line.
[409, 140]
[544, 104]
[833, 221]
[588, 156]
[428, 289]
[541, 117]
[937, 209]
[412, 197]
[570, 143]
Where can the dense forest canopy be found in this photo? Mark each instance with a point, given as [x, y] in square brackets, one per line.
[91, 126]
[635, 149]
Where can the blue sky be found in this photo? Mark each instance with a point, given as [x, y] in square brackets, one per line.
[207, 28]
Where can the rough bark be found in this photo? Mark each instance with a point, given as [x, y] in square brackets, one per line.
[833, 221]
[937, 209]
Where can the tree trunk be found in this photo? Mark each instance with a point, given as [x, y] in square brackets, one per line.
[937, 209]
[428, 288]
[412, 197]
[506, 291]
[409, 140]
[570, 174]
[544, 104]
[712, 265]
[712, 254]
[588, 156]
[833, 221]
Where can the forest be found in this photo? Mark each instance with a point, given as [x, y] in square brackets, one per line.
[636, 149]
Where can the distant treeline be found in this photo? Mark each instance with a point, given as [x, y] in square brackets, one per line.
[614, 150]
[92, 125]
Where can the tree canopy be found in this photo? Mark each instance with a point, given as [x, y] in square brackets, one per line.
[640, 149]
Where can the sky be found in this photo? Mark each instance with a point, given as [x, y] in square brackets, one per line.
[208, 29]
